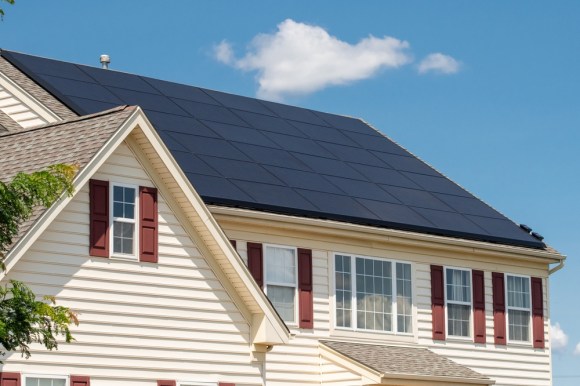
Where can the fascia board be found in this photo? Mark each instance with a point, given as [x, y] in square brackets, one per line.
[212, 225]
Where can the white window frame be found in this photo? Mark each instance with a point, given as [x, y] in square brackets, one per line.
[45, 376]
[470, 303]
[508, 308]
[266, 282]
[135, 222]
[394, 311]
[196, 383]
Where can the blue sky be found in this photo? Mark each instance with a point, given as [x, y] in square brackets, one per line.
[505, 124]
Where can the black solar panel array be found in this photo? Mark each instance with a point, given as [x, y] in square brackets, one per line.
[268, 156]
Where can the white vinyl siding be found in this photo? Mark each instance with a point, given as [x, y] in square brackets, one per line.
[299, 362]
[138, 323]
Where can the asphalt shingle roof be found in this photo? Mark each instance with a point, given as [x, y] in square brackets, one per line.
[74, 141]
[260, 155]
[395, 360]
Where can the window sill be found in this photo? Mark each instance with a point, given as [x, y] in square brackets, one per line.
[124, 257]
[369, 335]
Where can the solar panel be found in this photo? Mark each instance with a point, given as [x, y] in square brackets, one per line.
[262, 155]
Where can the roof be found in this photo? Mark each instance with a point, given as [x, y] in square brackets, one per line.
[74, 141]
[260, 155]
[88, 141]
[397, 360]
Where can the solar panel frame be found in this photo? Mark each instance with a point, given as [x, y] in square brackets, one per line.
[284, 143]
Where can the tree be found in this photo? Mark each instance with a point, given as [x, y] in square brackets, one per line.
[23, 319]
[2, 9]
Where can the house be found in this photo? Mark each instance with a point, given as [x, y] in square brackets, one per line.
[215, 239]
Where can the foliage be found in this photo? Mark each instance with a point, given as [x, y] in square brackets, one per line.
[23, 319]
[27, 191]
[1, 9]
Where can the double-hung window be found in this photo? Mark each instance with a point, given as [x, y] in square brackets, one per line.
[373, 294]
[123, 221]
[280, 280]
[44, 380]
[519, 308]
[458, 297]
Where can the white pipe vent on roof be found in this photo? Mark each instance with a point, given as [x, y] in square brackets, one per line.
[105, 60]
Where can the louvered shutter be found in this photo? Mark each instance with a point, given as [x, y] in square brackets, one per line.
[166, 383]
[80, 380]
[305, 301]
[148, 225]
[9, 379]
[499, 328]
[438, 302]
[99, 218]
[538, 312]
[234, 244]
[478, 306]
[256, 262]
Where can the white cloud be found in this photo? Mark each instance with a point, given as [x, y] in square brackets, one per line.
[559, 338]
[223, 52]
[299, 59]
[439, 63]
[577, 349]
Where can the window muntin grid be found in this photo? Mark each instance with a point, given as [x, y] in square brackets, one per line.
[124, 205]
[519, 308]
[343, 290]
[458, 298]
[280, 280]
[380, 298]
[41, 380]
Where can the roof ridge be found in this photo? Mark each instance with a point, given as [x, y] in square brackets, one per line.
[71, 120]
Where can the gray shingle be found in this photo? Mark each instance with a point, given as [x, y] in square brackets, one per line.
[73, 141]
[35, 90]
[396, 360]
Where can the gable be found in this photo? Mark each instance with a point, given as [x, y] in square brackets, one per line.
[178, 313]
[239, 151]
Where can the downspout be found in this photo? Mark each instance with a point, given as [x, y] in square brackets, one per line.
[558, 267]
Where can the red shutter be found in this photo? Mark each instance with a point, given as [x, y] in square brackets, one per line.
[478, 306]
[99, 218]
[305, 301]
[438, 302]
[256, 262]
[234, 244]
[226, 384]
[9, 379]
[498, 284]
[166, 383]
[538, 312]
[148, 228]
[80, 380]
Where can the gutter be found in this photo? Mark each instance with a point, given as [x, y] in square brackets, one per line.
[557, 267]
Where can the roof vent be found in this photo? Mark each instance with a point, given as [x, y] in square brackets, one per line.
[538, 236]
[105, 60]
[526, 228]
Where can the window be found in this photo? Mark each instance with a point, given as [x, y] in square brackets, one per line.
[519, 308]
[458, 297]
[280, 280]
[124, 204]
[373, 294]
[44, 380]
